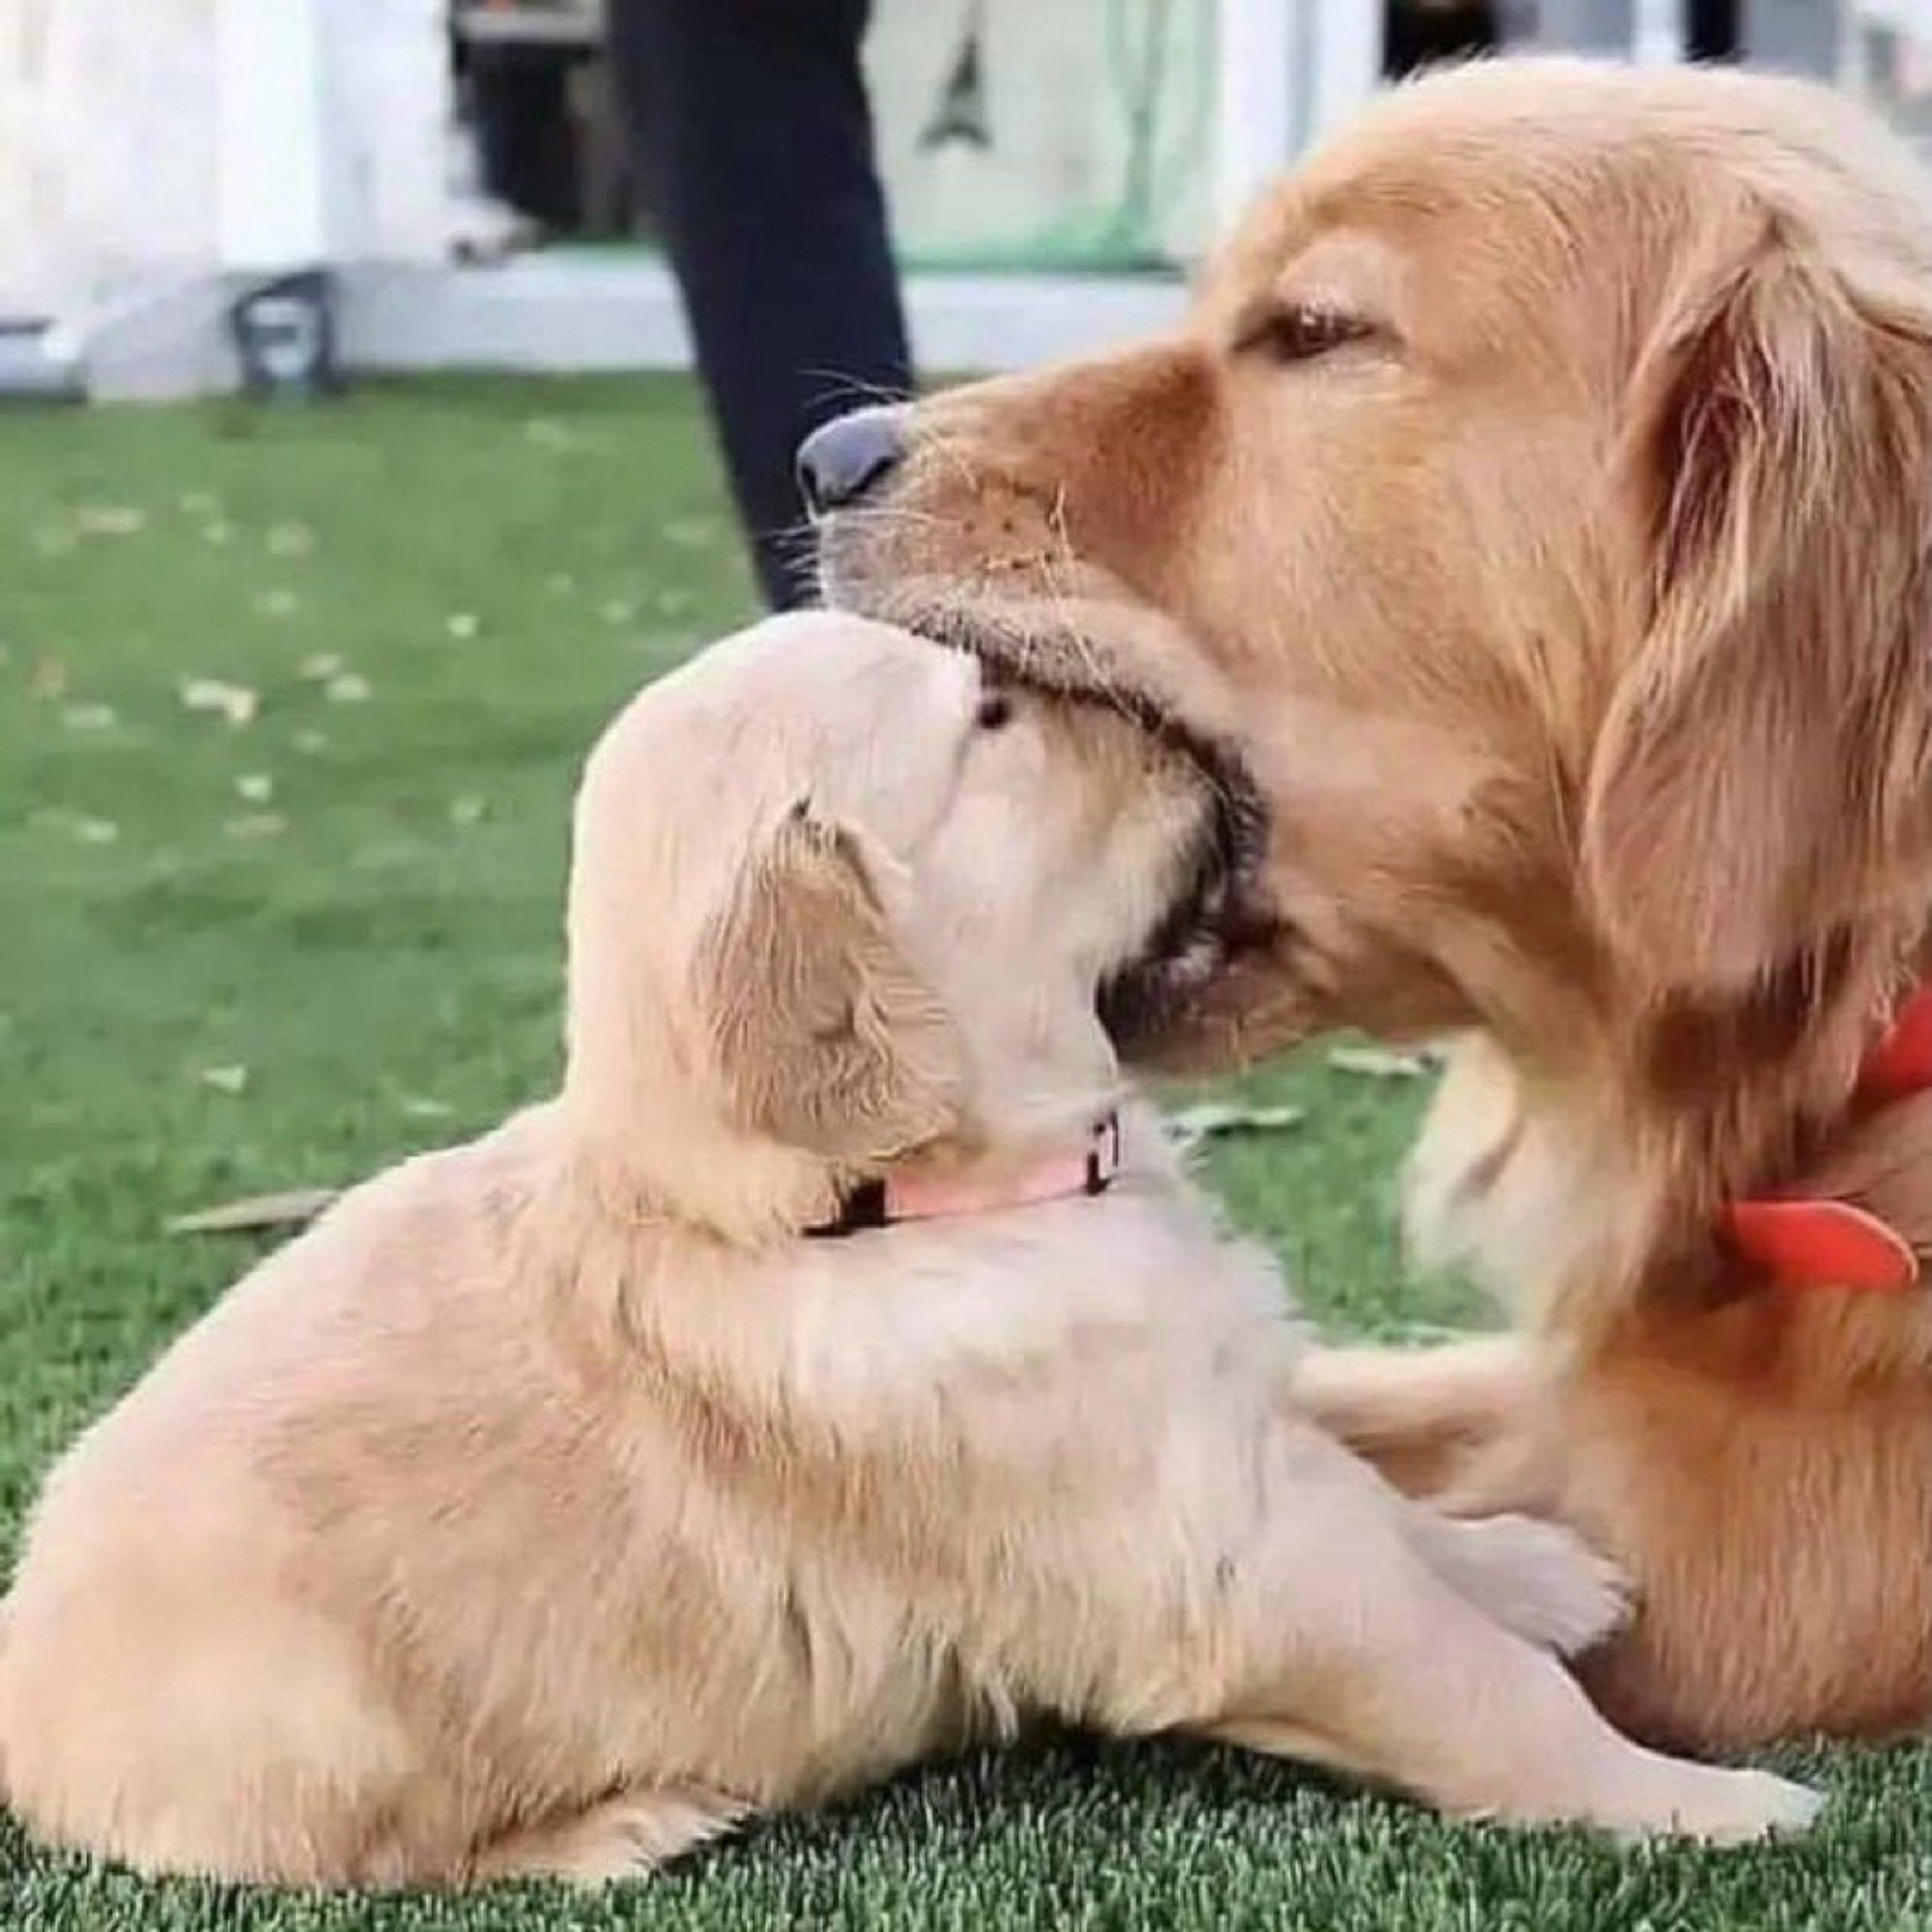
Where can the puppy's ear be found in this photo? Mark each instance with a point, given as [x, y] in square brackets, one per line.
[825, 1035]
[1762, 777]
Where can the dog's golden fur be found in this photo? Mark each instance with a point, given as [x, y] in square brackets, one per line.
[553, 1503]
[1542, 483]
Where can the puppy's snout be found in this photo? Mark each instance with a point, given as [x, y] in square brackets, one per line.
[844, 461]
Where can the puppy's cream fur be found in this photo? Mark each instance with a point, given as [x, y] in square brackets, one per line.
[553, 1503]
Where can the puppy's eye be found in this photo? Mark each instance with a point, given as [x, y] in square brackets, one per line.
[995, 712]
[1304, 330]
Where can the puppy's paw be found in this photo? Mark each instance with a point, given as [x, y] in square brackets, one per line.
[1766, 1807]
[1537, 1578]
[1718, 1806]
[628, 1835]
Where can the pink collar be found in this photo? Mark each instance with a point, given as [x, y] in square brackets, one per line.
[891, 1198]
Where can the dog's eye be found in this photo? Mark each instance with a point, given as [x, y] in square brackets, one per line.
[1301, 333]
[995, 712]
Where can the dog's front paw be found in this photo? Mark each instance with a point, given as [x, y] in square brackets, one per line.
[1538, 1579]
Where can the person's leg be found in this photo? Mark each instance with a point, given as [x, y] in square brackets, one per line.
[529, 149]
[753, 134]
[1422, 33]
[1712, 30]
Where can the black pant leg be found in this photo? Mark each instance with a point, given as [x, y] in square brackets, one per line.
[529, 147]
[755, 137]
[1417, 37]
[1713, 29]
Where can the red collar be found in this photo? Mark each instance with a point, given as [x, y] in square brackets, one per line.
[1087, 1169]
[1816, 1244]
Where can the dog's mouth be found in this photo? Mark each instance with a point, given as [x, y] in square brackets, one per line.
[1217, 919]
[1218, 912]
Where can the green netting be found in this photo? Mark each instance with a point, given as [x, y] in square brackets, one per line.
[1069, 134]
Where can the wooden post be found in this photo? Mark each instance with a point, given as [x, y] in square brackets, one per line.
[1255, 119]
[271, 158]
[1345, 61]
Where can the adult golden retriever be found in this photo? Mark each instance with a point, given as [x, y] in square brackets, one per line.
[1541, 490]
[564, 1496]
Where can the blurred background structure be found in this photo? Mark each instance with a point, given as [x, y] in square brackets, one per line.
[454, 169]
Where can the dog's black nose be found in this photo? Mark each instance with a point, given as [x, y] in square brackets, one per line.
[840, 462]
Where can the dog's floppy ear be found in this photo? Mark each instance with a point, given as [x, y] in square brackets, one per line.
[825, 1035]
[1762, 777]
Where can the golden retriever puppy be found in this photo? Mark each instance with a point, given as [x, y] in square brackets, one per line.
[1541, 487]
[804, 1389]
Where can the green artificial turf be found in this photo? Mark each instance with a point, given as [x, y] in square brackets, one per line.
[238, 957]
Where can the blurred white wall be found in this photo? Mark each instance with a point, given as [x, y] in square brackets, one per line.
[108, 145]
[388, 70]
[153, 150]
[116, 123]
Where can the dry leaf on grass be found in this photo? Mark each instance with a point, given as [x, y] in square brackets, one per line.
[235, 702]
[1217, 1120]
[76, 825]
[1378, 1062]
[109, 520]
[230, 1079]
[292, 1207]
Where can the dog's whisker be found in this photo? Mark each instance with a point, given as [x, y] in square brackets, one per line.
[843, 386]
[947, 449]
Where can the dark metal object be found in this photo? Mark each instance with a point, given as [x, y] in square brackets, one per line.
[31, 369]
[284, 332]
